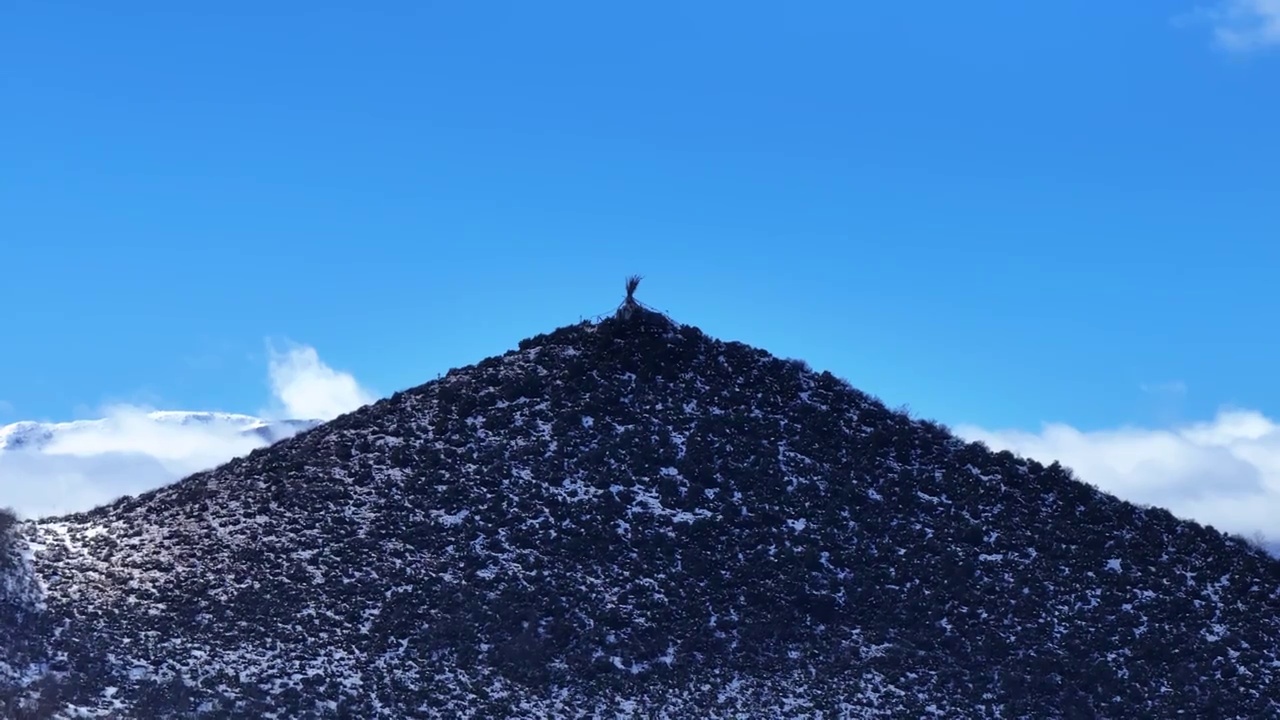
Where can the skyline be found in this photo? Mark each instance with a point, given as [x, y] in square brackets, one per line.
[1221, 472]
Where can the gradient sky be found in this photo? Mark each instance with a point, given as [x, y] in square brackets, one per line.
[998, 213]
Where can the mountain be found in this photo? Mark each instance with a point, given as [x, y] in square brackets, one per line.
[38, 436]
[629, 518]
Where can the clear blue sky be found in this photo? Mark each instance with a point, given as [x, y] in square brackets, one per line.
[998, 213]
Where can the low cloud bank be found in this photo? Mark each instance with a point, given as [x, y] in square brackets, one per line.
[1224, 472]
[68, 467]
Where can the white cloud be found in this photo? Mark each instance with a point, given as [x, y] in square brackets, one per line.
[1241, 25]
[307, 388]
[125, 453]
[129, 450]
[1224, 472]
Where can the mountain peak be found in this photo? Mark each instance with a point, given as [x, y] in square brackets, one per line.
[631, 518]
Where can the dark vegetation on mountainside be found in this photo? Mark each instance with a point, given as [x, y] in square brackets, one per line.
[630, 517]
[8, 521]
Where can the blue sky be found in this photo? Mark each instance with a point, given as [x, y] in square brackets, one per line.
[1000, 213]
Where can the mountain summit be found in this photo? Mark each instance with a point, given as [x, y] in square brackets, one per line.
[629, 518]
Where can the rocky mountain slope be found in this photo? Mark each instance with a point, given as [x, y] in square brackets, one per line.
[632, 519]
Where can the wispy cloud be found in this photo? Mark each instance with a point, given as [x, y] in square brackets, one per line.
[1224, 472]
[1240, 26]
[1175, 388]
[304, 387]
[128, 451]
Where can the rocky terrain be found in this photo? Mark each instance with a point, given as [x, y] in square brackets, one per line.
[629, 518]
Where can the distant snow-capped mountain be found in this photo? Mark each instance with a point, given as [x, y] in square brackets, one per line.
[37, 436]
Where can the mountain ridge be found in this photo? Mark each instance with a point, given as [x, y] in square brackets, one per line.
[630, 517]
